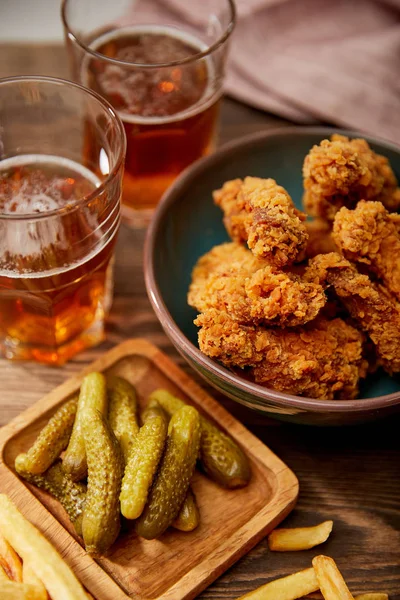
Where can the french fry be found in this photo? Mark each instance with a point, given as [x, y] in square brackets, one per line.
[33, 548]
[10, 561]
[300, 538]
[287, 588]
[29, 576]
[364, 596]
[12, 590]
[371, 596]
[331, 582]
[3, 575]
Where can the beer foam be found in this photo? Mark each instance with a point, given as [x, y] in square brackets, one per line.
[28, 237]
[27, 201]
[13, 274]
[207, 98]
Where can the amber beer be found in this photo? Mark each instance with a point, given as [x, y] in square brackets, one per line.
[169, 113]
[54, 272]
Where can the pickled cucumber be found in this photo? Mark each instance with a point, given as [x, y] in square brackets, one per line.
[122, 412]
[189, 516]
[93, 394]
[71, 495]
[220, 457]
[168, 401]
[51, 441]
[101, 517]
[143, 461]
[153, 409]
[173, 477]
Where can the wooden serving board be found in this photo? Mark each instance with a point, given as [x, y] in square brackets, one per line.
[179, 565]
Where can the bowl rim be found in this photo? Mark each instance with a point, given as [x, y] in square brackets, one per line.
[263, 394]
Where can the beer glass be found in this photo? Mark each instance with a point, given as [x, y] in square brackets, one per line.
[62, 150]
[163, 78]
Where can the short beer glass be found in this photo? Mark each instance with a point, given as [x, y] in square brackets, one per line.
[62, 151]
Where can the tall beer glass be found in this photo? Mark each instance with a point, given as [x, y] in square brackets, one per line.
[163, 78]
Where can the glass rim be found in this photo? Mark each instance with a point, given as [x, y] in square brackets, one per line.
[104, 184]
[189, 59]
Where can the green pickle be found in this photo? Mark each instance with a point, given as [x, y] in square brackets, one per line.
[143, 461]
[93, 394]
[220, 457]
[153, 409]
[51, 441]
[71, 495]
[122, 412]
[189, 516]
[101, 516]
[174, 474]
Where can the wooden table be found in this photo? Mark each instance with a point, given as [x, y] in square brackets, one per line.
[350, 475]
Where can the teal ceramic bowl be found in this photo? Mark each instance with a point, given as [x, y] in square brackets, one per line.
[187, 224]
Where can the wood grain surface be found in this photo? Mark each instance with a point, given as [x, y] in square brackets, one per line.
[350, 475]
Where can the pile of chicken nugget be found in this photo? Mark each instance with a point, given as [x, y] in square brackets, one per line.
[307, 307]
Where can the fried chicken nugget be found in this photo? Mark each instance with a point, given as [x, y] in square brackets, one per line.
[261, 213]
[225, 256]
[395, 218]
[340, 172]
[231, 278]
[321, 360]
[370, 305]
[369, 234]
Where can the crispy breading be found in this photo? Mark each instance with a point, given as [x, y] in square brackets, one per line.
[370, 236]
[261, 213]
[252, 293]
[222, 258]
[322, 359]
[395, 218]
[371, 306]
[340, 172]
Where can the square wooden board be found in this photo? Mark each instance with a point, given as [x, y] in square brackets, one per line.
[179, 565]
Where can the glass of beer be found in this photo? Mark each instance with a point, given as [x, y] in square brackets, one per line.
[161, 64]
[62, 150]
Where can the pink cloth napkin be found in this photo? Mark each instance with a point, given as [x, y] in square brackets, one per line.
[336, 61]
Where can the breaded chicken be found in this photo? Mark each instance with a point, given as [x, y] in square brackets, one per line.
[370, 305]
[395, 218]
[250, 292]
[340, 172]
[282, 304]
[320, 360]
[224, 257]
[261, 213]
[370, 236]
